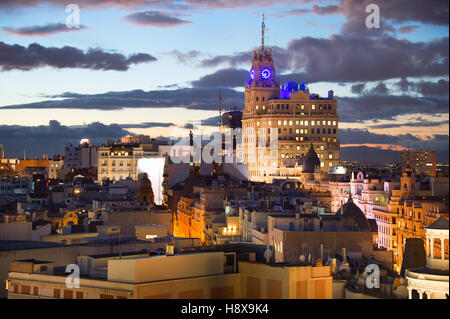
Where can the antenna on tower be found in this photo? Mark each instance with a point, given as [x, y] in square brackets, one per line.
[263, 29]
[220, 107]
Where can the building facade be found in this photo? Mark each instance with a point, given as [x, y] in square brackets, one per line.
[288, 118]
[116, 162]
[421, 161]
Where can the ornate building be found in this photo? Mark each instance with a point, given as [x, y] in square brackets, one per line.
[145, 191]
[288, 119]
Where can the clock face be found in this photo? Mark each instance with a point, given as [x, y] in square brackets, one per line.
[266, 73]
[252, 74]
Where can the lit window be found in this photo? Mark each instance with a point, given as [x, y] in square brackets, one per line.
[270, 123]
[322, 164]
[330, 164]
[334, 123]
[303, 107]
[313, 123]
[330, 156]
[297, 131]
[285, 122]
[329, 122]
[290, 122]
[301, 123]
[257, 123]
[297, 122]
[324, 123]
[257, 107]
[313, 107]
[306, 123]
[301, 139]
[279, 122]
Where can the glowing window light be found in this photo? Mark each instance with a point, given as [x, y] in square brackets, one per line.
[154, 167]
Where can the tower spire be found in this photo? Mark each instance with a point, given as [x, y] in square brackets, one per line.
[263, 29]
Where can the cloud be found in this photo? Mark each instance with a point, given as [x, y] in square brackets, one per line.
[189, 98]
[41, 30]
[407, 29]
[411, 124]
[154, 19]
[358, 88]
[379, 106]
[352, 59]
[231, 78]
[35, 56]
[146, 125]
[318, 10]
[50, 139]
[438, 143]
[185, 57]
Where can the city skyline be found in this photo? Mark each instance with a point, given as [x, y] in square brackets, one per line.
[391, 83]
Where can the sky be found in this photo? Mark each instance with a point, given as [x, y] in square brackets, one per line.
[153, 66]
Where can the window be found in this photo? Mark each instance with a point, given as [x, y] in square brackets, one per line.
[68, 294]
[25, 290]
[313, 107]
[57, 293]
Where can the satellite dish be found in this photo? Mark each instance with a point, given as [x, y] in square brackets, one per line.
[302, 258]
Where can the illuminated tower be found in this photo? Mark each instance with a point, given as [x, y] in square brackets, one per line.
[287, 118]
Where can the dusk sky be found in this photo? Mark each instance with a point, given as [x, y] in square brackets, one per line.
[151, 67]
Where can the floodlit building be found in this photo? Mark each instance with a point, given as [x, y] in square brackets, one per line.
[189, 275]
[288, 118]
[116, 162]
[420, 161]
[431, 282]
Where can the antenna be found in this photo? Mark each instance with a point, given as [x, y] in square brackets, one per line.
[220, 107]
[263, 29]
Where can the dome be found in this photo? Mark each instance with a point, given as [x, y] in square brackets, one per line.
[350, 209]
[311, 161]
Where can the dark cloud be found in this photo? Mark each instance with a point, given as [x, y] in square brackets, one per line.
[146, 125]
[189, 98]
[426, 88]
[438, 143]
[178, 4]
[352, 59]
[412, 124]
[399, 11]
[51, 139]
[407, 29]
[380, 89]
[155, 19]
[378, 106]
[41, 30]
[319, 10]
[358, 88]
[223, 78]
[35, 56]
[186, 57]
